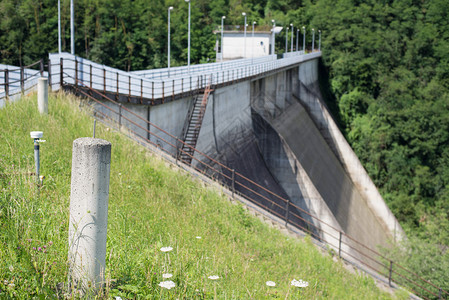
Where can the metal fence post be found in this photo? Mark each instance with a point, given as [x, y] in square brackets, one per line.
[120, 115]
[7, 83]
[90, 75]
[163, 91]
[50, 82]
[41, 67]
[152, 93]
[117, 92]
[148, 124]
[141, 90]
[61, 73]
[104, 82]
[76, 73]
[177, 151]
[391, 272]
[173, 90]
[287, 212]
[129, 88]
[182, 85]
[233, 183]
[339, 245]
[22, 79]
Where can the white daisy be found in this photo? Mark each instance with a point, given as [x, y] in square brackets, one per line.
[213, 277]
[166, 249]
[299, 283]
[167, 284]
[270, 283]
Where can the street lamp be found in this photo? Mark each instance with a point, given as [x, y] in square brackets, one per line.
[222, 20]
[291, 46]
[313, 39]
[304, 39]
[286, 40]
[252, 42]
[244, 37]
[72, 27]
[297, 35]
[59, 26]
[273, 36]
[169, 9]
[188, 41]
[319, 42]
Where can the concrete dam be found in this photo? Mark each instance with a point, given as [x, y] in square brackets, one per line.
[273, 128]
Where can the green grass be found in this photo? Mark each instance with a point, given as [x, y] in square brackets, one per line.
[151, 205]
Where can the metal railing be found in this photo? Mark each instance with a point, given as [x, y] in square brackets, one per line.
[203, 68]
[129, 87]
[15, 81]
[339, 242]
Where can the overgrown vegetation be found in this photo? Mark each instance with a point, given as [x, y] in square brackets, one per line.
[150, 206]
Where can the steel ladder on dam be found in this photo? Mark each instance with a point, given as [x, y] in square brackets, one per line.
[192, 126]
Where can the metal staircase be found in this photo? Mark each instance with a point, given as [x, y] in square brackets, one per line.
[192, 126]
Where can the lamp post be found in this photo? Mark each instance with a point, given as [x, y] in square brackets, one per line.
[169, 9]
[291, 43]
[273, 36]
[319, 42]
[188, 41]
[244, 37]
[304, 39]
[59, 26]
[313, 39]
[297, 36]
[252, 42]
[72, 27]
[222, 20]
[286, 40]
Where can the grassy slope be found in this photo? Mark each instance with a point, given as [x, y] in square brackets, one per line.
[150, 206]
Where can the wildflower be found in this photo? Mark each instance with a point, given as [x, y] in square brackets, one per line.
[299, 283]
[50, 243]
[167, 275]
[270, 283]
[34, 248]
[11, 285]
[167, 284]
[11, 268]
[118, 298]
[213, 277]
[166, 249]
[198, 237]
[39, 249]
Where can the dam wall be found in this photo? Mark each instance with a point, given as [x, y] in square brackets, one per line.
[275, 131]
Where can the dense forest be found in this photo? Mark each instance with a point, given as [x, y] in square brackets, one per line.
[385, 76]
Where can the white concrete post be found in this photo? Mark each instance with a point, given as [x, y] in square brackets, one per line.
[91, 163]
[42, 95]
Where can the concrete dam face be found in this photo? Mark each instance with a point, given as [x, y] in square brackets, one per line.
[275, 130]
[265, 130]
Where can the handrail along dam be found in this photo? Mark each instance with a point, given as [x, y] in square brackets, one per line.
[265, 120]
